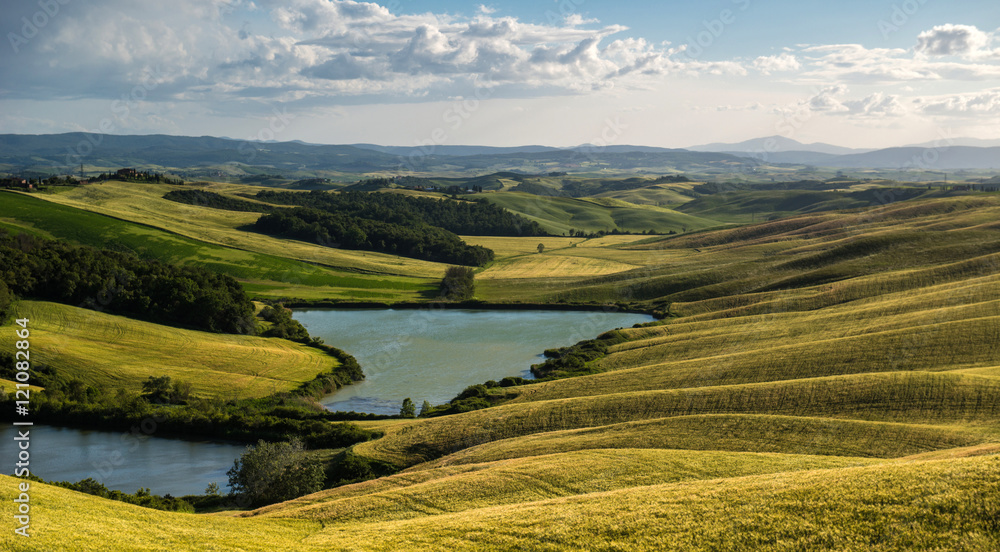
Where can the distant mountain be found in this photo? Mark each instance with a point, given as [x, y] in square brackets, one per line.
[971, 142]
[933, 159]
[61, 153]
[625, 149]
[776, 144]
[789, 157]
[66, 151]
[458, 151]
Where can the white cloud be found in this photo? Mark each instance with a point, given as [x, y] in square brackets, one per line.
[952, 40]
[876, 105]
[778, 63]
[853, 63]
[986, 103]
[833, 100]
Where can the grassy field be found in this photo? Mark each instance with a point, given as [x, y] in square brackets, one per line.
[560, 214]
[271, 267]
[111, 352]
[929, 505]
[826, 381]
[454, 489]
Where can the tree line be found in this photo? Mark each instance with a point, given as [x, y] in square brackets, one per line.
[472, 218]
[120, 283]
[216, 201]
[332, 229]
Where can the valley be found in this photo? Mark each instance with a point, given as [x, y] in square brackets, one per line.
[820, 357]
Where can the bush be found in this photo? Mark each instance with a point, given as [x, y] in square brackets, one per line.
[283, 325]
[274, 472]
[458, 284]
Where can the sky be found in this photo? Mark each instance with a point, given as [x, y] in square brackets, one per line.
[548, 72]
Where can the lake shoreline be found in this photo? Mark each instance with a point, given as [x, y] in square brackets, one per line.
[475, 304]
[436, 354]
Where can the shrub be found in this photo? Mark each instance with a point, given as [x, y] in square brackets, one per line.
[274, 472]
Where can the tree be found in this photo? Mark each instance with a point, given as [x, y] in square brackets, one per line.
[162, 390]
[212, 489]
[458, 284]
[273, 472]
[157, 390]
[541, 247]
[6, 299]
[408, 410]
[425, 408]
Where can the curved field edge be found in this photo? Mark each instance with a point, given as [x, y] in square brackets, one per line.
[903, 397]
[110, 351]
[729, 432]
[456, 489]
[920, 506]
[932, 505]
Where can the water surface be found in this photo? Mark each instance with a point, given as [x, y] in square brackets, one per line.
[433, 354]
[121, 461]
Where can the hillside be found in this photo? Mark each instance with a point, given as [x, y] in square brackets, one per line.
[201, 155]
[126, 217]
[829, 380]
[78, 343]
[895, 506]
[558, 215]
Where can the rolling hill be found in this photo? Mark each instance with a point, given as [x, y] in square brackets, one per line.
[828, 380]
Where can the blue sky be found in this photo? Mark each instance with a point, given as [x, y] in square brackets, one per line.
[553, 72]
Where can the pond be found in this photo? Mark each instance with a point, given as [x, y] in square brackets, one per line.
[121, 461]
[433, 354]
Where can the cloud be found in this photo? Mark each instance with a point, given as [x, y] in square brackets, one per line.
[778, 63]
[952, 40]
[853, 63]
[335, 49]
[877, 105]
[986, 103]
[832, 100]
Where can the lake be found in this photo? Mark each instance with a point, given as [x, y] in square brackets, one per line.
[122, 462]
[433, 354]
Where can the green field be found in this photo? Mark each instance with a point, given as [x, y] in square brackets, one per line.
[279, 269]
[113, 352]
[560, 214]
[825, 381]
[930, 505]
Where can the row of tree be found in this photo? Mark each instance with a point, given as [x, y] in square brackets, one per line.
[120, 283]
[471, 218]
[332, 229]
[145, 177]
[205, 198]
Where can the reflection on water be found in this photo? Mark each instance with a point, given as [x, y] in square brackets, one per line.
[433, 354]
[123, 461]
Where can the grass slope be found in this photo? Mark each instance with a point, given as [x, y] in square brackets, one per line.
[930, 505]
[456, 489]
[109, 352]
[278, 269]
[829, 381]
[730, 432]
[559, 214]
[902, 397]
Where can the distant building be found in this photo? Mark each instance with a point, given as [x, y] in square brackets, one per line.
[127, 173]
